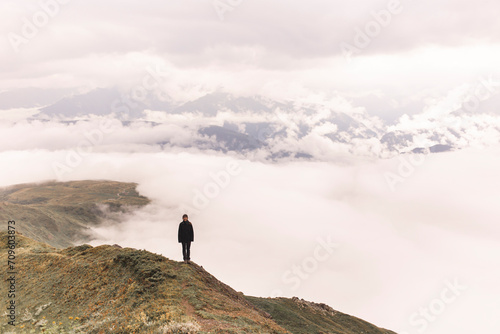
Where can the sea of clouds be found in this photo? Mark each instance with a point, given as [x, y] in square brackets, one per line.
[409, 243]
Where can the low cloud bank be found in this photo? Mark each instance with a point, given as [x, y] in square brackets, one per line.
[338, 234]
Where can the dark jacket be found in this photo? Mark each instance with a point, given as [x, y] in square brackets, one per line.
[186, 232]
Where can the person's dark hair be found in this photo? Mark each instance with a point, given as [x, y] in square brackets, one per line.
[184, 215]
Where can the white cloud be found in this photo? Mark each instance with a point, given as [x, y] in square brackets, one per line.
[17, 114]
[282, 49]
[395, 249]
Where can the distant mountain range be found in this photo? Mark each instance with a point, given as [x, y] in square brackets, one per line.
[226, 122]
[110, 289]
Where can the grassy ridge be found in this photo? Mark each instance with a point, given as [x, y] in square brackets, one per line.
[303, 317]
[108, 289]
[60, 213]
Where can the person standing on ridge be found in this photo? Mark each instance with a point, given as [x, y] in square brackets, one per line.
[186, 236]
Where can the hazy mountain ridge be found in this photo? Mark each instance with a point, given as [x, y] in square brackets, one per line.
[225, 122]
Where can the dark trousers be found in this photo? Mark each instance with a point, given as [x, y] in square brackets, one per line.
[186, 246]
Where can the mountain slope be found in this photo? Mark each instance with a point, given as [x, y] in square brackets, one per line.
[102, 101]
[231, 140]
[260, 123]
[60, 213]
[109, 289]
[303, 317]
[103, 289]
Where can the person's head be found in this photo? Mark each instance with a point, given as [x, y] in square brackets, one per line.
[184, 217]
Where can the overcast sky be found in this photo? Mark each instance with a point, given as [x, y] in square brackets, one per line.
[411, 50]
[398, 247]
